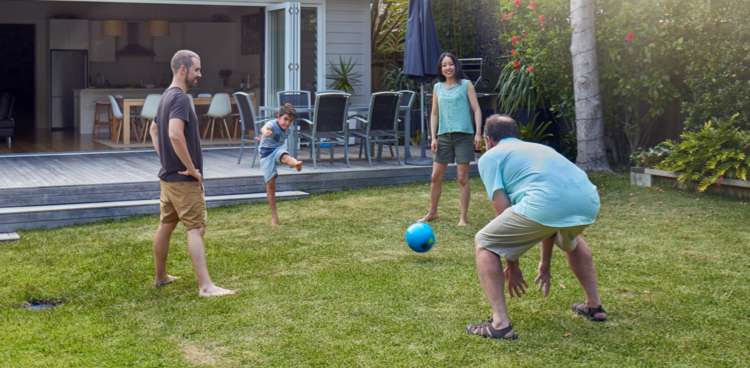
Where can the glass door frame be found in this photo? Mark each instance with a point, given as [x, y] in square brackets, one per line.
[292, 43]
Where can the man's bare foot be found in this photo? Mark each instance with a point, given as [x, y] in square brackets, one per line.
[429, 217]
[168, 280]
[463, 222]
[274, 220]
[216, 291]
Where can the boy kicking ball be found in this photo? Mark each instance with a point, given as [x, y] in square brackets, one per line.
[273, 152]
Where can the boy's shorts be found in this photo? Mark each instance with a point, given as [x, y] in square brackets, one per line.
[183, 201]
[511, 234]
[268, 164]
[455, 146]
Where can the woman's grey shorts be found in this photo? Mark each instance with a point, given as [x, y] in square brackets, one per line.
[458, 147]
[511, 234]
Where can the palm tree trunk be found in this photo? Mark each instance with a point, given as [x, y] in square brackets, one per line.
[592, 153]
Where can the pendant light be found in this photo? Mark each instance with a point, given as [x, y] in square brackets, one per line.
[112, 28]
[158, 28]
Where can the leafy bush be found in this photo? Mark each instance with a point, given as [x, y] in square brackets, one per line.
[641, 55]
[530, 133]
[718, 71]
[455, 21]
[537, 70]
[569, 145]
[716, 151]
[394, 79]
[651, 157]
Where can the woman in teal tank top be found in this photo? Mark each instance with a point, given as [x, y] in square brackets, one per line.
[453, 99]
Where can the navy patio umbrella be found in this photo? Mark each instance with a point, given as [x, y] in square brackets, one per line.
[421, 54]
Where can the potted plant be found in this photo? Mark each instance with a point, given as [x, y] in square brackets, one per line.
[343, 77]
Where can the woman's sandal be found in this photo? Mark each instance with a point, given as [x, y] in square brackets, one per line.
[486, 330]
[582, 309]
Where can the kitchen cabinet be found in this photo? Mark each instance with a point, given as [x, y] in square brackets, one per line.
[101, 48]
[68, 34]
[166, 46]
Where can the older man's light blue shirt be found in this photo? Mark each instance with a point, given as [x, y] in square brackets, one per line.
[541, 184]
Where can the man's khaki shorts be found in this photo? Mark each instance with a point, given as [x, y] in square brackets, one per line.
[457, 147]
[183, 201]
[511, 234]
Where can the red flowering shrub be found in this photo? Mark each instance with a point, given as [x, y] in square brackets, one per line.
[539, 72]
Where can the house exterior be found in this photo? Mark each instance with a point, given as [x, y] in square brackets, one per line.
[252, 45]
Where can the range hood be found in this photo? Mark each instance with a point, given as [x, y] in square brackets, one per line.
[133, 48]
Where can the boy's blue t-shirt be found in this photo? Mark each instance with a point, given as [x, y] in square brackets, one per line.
[268, 145]
[541, 184]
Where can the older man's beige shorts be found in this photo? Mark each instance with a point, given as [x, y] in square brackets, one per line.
[183, 201]
[511, 234]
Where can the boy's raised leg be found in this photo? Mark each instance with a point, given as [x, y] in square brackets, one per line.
[271, 194]
[291, 161]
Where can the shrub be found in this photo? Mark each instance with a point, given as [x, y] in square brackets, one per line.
[537, 70]
[718, 71]
[716, 151]
[651, 157]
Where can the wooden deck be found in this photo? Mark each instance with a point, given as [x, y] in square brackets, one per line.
[49, 190]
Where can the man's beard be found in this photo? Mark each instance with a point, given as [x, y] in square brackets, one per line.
[189, 84]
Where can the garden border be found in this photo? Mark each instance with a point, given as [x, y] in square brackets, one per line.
[644, 177]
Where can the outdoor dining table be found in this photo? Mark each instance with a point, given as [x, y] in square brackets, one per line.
[353, 110]
[127, 103]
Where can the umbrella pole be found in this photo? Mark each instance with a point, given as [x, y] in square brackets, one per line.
[421, 107]
[423, 160]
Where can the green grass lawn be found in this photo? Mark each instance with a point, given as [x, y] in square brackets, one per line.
[337, 286]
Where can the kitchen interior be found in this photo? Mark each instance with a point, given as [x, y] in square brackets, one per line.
[89, 51]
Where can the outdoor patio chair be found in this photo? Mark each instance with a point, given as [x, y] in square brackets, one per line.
[250, 124]
[7, 124]
[329, 91]
[148, 113]
[381, 125]
[330, 124]
[297, 99]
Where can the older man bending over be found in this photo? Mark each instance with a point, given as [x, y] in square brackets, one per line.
[538, 196]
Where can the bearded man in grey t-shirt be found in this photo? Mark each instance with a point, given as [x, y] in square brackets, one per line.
[177, 142]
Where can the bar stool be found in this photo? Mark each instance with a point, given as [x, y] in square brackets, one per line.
[98, 123]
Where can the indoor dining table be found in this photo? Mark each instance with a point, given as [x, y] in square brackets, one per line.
[127, 103]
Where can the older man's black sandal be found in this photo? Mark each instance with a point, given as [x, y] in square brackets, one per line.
[582, 309]
[486, 330]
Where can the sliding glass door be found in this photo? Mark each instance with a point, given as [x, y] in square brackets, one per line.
[292, 49]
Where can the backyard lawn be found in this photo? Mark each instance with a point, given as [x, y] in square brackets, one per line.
[337, 286]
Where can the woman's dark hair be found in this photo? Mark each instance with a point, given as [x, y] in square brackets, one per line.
[499, 127]
[459, 70]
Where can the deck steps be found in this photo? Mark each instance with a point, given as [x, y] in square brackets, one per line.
[49, 216]
[46, 192]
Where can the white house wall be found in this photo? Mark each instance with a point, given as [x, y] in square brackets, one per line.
[348, 35]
